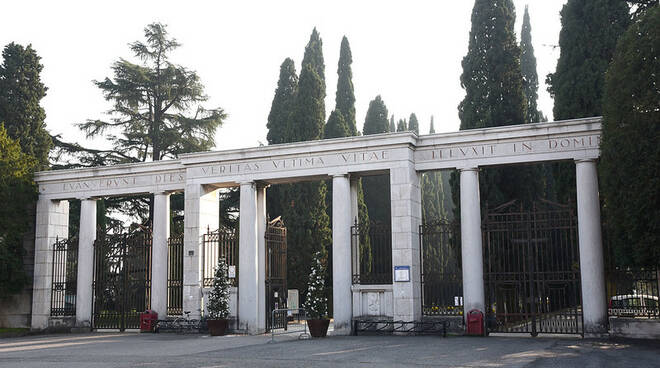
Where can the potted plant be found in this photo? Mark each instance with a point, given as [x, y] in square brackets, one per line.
[218, 305]
[316, 302]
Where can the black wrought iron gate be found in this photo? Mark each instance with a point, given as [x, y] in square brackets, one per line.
[532, 269]
[122, 279]
[276, 288]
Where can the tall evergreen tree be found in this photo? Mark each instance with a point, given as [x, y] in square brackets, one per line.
[280, 109]
[413, 123]
[432, 129]
[401, 126]
[314, 58]
[376, 120]
[21, 90]
[16, 190]
[528, 69]
[392, 127]
[590, 29]
[630, 161]
[345, 96]
[377, 188]
[336, 126]
[493, 83]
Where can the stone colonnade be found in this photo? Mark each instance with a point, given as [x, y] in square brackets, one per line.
[403, 155]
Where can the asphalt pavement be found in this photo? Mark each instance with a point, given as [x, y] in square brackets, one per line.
[128, 349]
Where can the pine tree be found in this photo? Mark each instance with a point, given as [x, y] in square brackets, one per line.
[630, 161]
[316, 301]
[280, 109]
[432, 129]
[493, 83]
[413, 123]
[16, 190]
[345, 96]
[218, 304]
[528, 68]
[401, 126]
[578, 82]
[309, 108]
[392, 127]
[314, 58]
[21, 90]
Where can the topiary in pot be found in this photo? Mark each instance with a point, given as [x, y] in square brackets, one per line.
[316, 302]
[218, 305]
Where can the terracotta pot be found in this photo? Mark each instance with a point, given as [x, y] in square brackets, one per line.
[318, 327]
[217, 327]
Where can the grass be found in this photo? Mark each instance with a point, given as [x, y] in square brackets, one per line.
[13, 330]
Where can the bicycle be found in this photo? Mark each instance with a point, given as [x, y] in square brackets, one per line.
[182, 324]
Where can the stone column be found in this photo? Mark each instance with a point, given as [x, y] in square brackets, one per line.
[592, 269]
[86, 238]
[202, 212]
[406, 217]
[159, 250]
[52, 222]
[248, 258]
[471, 250]
[341, 254]
[261, 251]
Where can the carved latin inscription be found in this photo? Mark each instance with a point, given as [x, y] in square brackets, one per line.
[121, 182]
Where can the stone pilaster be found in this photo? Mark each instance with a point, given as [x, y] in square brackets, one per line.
[52, 223]
[159, 250]
[471, 242]
[406, 217]
[341, 254]
[248, 258]
[85, 277]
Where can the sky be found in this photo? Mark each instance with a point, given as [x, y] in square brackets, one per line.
[409, 52]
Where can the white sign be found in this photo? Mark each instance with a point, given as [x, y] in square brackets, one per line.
[402, 273]
[293, 300]
[458, 301]
[231, 272]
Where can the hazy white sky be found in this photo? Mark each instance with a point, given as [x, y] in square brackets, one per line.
[409, 52]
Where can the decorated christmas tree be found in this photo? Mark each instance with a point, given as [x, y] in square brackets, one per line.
[316, 302]
[218, 306]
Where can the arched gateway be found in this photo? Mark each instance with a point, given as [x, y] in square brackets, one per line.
[403, 155]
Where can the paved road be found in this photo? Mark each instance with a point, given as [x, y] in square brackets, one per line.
[170, 350]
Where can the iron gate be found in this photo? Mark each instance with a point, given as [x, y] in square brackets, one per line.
[122, 279]
[175, 276]
[221, 243]
[442, 277]
[532, 269]
[65, 276]
[276, 288]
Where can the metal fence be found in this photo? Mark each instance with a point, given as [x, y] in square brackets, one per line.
[65, 269]
[221, 243]
[372, 265]
[288, 321]
[633, 292]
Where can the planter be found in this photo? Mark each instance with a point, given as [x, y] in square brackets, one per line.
[318, 327]
[217, 327]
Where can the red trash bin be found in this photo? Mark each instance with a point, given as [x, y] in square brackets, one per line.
[148, 320]
[475, 323]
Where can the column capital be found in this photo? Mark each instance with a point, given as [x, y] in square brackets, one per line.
[339, 174]
[163, 192]
[247, 182]
[581, 160]
[84, 198]
[468, 168]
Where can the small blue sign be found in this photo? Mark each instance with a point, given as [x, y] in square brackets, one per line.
[402, 273]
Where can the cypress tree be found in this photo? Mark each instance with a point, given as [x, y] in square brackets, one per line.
[21, 90]
[493, 83]
[280, 109]
[528, 69]
[590, 29]
[377, 188]
[401, 126]
[336, 126]
[392, 127]
[345, 96]
[432, 129]
[303, 205]
[413, 123]
[376, 120]
[630, 161]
